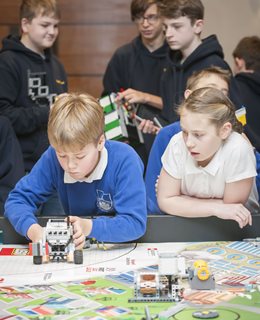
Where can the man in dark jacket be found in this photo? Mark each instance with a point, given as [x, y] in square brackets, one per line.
[30, 77]
[183, 24]
[247, 78]
[11, 160]
[137, 66]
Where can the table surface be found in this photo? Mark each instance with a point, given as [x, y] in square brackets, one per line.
[100, 288]
[167, 228]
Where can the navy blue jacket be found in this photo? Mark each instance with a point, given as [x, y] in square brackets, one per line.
[249, 93]
[28, 85]
[134, 66]
[11, 160]
[208, 53]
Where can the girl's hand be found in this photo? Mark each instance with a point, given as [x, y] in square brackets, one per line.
[235, 211]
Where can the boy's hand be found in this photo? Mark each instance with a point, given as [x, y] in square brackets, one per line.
[81, 229]
[132, 96]
[35, 233]
[236, 212]
[147, 126]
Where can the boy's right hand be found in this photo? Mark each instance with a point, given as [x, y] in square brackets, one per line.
[35, 232]
[147, 126]
[131, 96]
[237, 212]
[81, 229]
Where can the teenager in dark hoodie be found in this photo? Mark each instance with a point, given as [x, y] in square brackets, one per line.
[247, 78]
[30, 77]
[11, 160]
[137, 66]
[183, 24]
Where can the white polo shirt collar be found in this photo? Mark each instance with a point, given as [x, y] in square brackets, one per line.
[193, 168]
[97, 174]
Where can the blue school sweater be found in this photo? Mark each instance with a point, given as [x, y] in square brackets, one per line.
[154, 165]
[120, 190]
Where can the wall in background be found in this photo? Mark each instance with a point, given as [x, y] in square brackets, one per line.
[231, 20]
[91, 30]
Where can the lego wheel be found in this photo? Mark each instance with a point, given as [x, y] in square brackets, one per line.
[78, 256]
[203, 273]
[37, 259]
[70, 257]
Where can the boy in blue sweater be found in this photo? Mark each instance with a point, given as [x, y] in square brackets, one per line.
[92, 177]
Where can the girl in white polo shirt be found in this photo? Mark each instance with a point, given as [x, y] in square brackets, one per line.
[209, 168]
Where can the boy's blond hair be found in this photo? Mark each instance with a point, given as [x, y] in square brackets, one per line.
[193, 80]
[29, 9]
[75, 120]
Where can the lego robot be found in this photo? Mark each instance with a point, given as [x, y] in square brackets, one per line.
[57, 244]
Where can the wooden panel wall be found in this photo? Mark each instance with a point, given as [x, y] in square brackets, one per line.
[90, 32]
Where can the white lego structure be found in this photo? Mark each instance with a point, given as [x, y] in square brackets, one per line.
[57, 244]
[162, 285]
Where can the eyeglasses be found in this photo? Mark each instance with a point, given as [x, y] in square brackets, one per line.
[152, 18]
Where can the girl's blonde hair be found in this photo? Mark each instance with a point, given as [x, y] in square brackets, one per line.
[75, 120]
[213, 103]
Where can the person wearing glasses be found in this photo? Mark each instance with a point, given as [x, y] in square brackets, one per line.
[136, 67]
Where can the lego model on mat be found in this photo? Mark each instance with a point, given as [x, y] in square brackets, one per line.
[200, 277]
[57, 244]
[162, 285]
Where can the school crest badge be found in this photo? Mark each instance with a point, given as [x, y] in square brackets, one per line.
[104, 201]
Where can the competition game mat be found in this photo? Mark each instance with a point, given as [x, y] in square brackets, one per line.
[100, 288]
